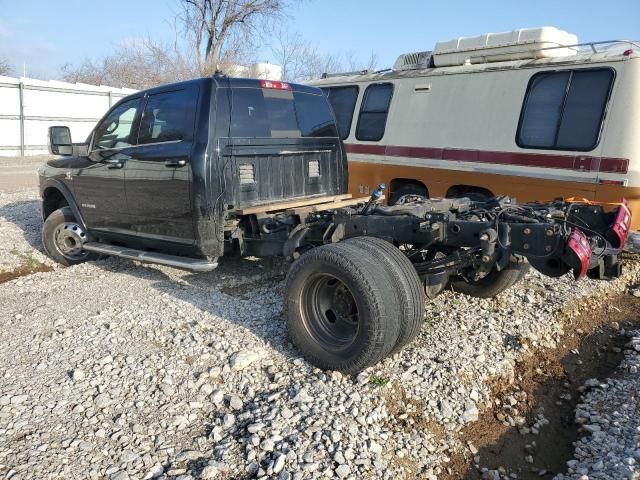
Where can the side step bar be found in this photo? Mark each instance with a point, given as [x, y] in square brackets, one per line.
[186, 263]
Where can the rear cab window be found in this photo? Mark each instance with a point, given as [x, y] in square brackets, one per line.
[373, 112]
[565, 109]
[343, 101]
[280, 113]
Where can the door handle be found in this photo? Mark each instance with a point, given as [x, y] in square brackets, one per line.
[114, 163]
[175, 163]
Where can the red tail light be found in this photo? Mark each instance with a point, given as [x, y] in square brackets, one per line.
[275, 85]
[622, 223]
[580, 246]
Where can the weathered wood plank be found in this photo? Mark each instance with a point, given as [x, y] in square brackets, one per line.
[327, 206]
[273, 207]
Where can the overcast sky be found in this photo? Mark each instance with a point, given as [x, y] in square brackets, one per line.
[44, 34]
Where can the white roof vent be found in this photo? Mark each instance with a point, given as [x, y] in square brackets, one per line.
[525, 43]
[413, 61]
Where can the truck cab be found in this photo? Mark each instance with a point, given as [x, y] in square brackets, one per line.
[167, 169]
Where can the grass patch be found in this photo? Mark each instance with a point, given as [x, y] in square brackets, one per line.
[378, 380]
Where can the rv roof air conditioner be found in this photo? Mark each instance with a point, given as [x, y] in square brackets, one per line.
[413, 61]
[521, 44]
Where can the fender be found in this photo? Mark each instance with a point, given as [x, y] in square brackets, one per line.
[66, 193]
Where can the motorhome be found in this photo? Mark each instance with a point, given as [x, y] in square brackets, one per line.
[530, 113]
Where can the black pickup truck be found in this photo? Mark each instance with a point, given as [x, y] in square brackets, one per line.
[183, 174]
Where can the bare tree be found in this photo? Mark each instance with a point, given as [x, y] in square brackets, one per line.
[354, 64]
[5, 68]
[301, 60]
[215, 28]
[139, 64]
[297, 56]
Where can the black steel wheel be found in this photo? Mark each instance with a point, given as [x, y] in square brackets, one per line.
[331, 312]
[341, 308]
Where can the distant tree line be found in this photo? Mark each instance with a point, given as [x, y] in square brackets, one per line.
[210, 36]
[5, 68]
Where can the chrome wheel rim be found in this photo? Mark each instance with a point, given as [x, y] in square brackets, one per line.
[69, 239]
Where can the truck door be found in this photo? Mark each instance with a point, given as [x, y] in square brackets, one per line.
[158, 175]
[98, 185]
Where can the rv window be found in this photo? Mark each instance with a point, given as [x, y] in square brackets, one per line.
[343, 101]
[564, 110]
[373, 112]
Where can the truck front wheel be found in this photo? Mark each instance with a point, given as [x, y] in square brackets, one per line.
[341, 308]
[63, 237]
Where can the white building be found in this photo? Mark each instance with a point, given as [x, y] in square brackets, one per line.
[261, 70]
[28, 107]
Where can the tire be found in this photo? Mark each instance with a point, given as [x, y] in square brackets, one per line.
[410, 189]
[473, 195]
[494, 283]
[58, 227]
[341, 310]
[476, 196]
[406, 284]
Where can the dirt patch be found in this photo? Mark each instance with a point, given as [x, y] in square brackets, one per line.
[243, 290]
[529, 430]
[23, 270]
[408, 413]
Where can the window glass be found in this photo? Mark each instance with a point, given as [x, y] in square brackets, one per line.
[564, 110]
[281, 113]
[115, 130]
[168, 116]
[543, 109]
[343, 101]
[314, 115]
[584, 109]
[271, 113]
[373, 112]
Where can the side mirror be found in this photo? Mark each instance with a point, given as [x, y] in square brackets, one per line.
[60, 141]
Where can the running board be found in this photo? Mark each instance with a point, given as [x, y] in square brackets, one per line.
[186, 263]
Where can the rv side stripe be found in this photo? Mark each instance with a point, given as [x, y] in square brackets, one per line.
[580, 163]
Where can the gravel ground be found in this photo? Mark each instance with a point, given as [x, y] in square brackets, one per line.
[116, 370]
[609, 413]
[20, 224]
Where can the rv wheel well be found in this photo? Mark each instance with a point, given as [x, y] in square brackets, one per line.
[399, 187]
[475, 193]
[52, 201]
[419, 187]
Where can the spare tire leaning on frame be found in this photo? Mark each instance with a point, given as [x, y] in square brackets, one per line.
[342, 311]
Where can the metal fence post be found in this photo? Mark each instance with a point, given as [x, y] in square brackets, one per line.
[110, 99]
[22, 146]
